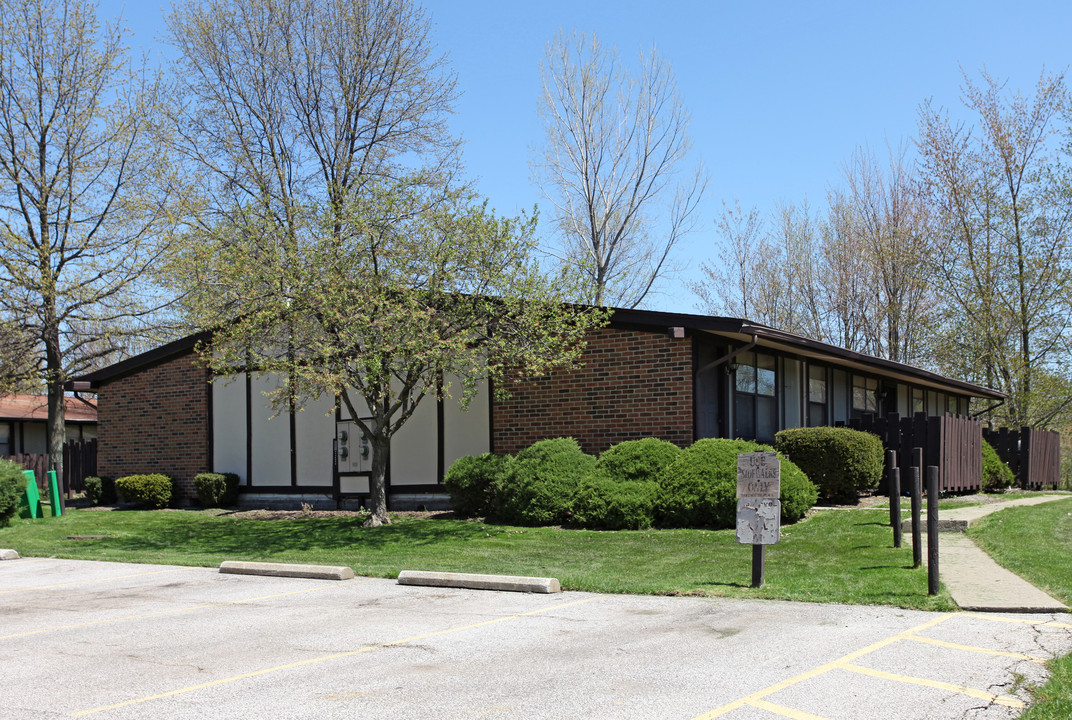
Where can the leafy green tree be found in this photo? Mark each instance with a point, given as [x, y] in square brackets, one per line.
[334, 246]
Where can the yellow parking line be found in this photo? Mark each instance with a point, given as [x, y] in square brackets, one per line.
[949, 687]
[178, 610]
[1019, 621]
[974, 649]
[324, 658]
[816, 671]
[95, 580]
[785, 711]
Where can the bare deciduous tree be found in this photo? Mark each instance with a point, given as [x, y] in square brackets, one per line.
[614, 146]
[83, 192]
[768, 277]
[1005, 211]
[884, 229]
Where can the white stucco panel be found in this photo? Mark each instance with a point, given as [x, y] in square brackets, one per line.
[466, 432]
[271, 436]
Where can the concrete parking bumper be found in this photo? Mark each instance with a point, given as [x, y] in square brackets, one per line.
[512, 583]
[314, 572]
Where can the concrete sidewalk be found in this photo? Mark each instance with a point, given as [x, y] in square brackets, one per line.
[974, 580]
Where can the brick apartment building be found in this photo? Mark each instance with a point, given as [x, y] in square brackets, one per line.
[674, 376]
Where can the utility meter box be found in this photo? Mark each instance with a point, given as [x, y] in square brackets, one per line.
[353, 452]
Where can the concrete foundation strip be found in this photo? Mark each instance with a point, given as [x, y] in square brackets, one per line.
[8, 555]
[314, 572]
[512, 583]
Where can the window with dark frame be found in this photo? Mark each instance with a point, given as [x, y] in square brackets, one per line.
[755, 404]
[817, 397]
[864, 395]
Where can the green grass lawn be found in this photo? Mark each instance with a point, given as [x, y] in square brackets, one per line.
[834, 556]
[1036, 543]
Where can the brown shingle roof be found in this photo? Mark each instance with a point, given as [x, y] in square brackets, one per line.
[21, 408]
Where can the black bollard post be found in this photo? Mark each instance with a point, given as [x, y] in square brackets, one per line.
[917, 507]
[895, 505]
[891, 463]
[759, 562]
[932, 529]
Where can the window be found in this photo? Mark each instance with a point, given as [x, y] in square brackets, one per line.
[864, 395]
[817, 398]
[5, 439]
[755, 408]
[919, 404]
[951, 405]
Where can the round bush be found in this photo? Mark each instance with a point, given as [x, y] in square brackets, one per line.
[153, 491]
[700, 487]
[637, 460]
[840, 461]
[94, 489]
[12, 486]
[216, 489]
[604, 503]
[473, 482]
[540, 482]
[996, 474]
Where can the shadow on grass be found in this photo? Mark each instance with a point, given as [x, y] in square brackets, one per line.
[261, 538]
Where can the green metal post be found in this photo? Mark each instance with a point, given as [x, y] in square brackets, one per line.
[54, 494]
[31, 499]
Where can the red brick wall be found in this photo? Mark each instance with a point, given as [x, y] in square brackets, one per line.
[632, 385]
[156, 420]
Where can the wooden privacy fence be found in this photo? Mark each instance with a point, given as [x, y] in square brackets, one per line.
[1034, 456]
[954, 443]
[79, 462]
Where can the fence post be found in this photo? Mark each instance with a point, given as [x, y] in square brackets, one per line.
[932, 530]
[917, 507]
[895, 504]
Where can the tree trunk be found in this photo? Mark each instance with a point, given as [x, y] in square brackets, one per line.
[381, 449]
[56, 429]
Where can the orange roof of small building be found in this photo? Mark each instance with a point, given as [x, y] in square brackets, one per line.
[23, 408]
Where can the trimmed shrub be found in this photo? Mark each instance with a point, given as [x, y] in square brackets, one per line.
[637, 460]
[540, 482]
[605, 503]
[840, 461]
[473, 482]
[11, 488]
[700, 487]
[94, 489]
[996, 474]
[216, 489]
[153, 491]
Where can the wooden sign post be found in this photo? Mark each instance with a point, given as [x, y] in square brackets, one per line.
[759, 510]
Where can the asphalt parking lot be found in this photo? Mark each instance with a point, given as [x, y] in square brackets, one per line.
[111, 640]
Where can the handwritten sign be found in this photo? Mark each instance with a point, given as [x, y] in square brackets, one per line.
[759, 475]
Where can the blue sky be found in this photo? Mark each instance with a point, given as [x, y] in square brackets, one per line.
[780, 92]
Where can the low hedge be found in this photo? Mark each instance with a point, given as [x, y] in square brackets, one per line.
[996, 474]
[12, 485]
[539, 484]
[473, 482]
[216, 489]
[840, 461]
[637, 460]
[153, 491]
[699, 489]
